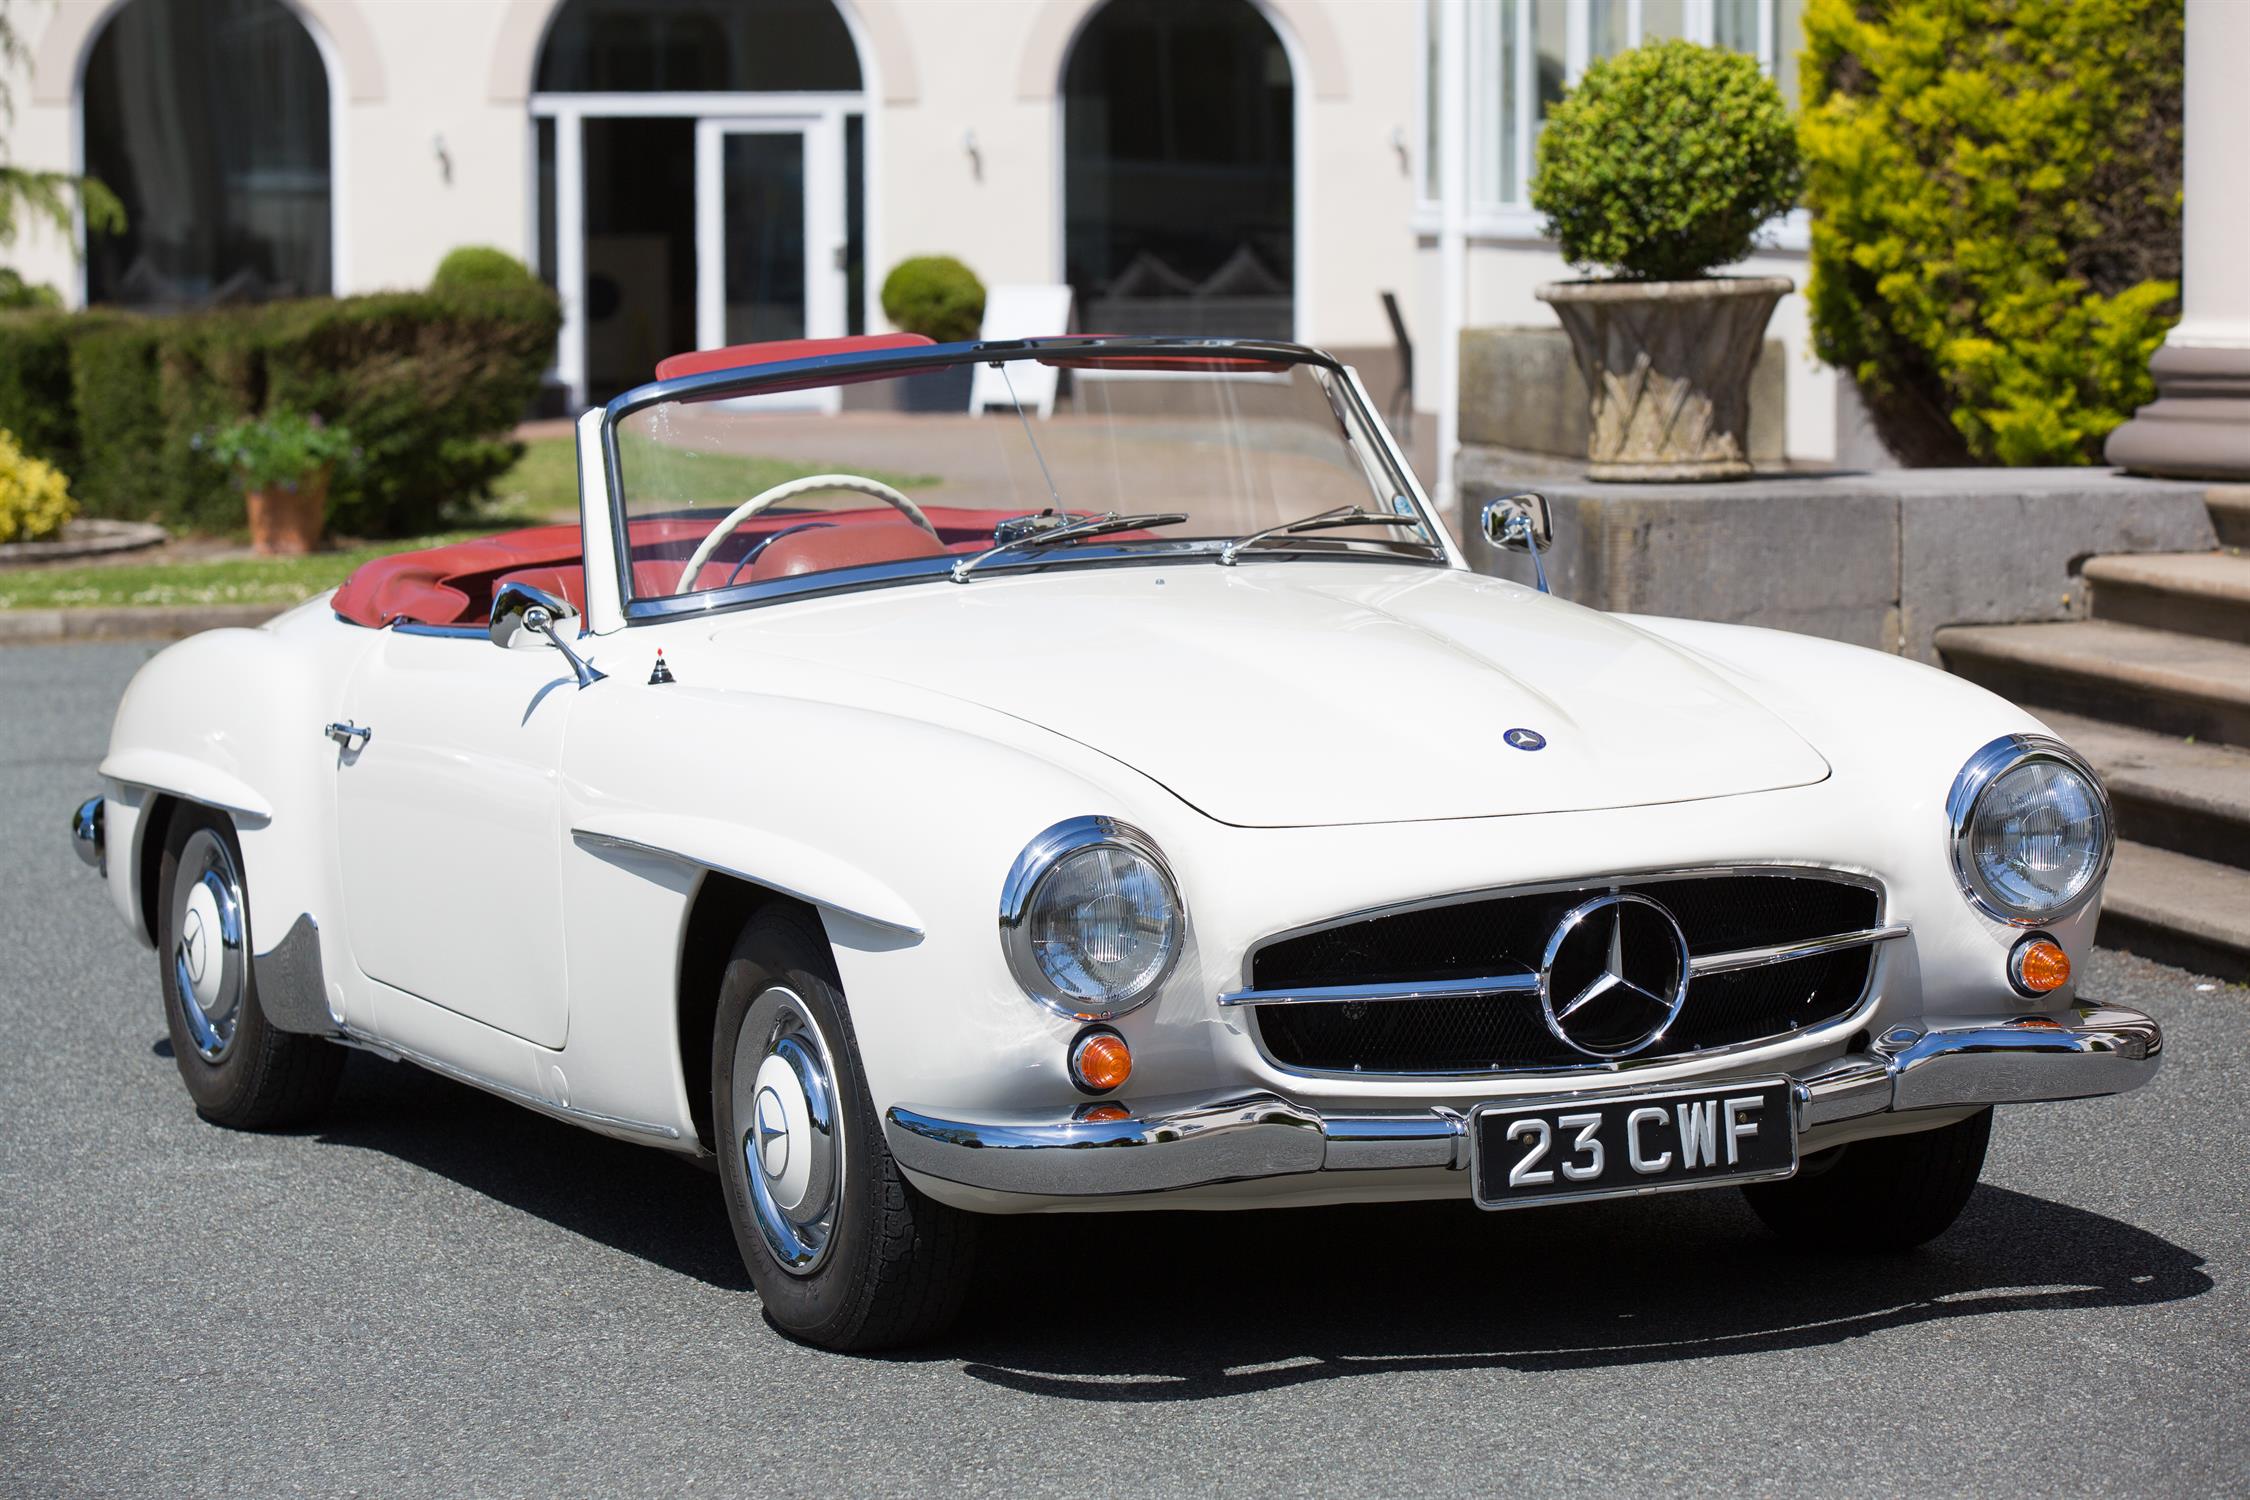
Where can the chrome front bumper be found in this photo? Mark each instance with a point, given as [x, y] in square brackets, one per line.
[87, 833]
[1183, 1143]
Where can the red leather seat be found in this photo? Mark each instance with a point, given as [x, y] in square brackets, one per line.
[566, 584]
[818, 549]
[454, 584]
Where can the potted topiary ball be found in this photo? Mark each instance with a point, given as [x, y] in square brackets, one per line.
[939, 298]
[1664, 162]
[283, 461]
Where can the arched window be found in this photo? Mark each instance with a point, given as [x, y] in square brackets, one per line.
[697, 47]
[209, 118]
[1178, 158]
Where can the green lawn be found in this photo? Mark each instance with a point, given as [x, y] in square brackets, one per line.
[542, 487]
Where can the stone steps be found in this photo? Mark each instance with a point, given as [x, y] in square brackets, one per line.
[2195, 593]
[2182, 795]
[2178, 909]
[2157, 680]
[2229, 505]
[2154, 689]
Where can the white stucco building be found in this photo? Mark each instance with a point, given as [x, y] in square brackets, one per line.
[701, 171]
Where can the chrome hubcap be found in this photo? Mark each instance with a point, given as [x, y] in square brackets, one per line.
[785, 1108]
[209, 967]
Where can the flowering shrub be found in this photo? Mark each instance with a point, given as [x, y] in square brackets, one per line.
[34, 497]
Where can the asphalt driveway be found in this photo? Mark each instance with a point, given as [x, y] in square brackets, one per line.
[437, 1293]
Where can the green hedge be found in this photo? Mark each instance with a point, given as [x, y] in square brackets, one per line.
[429, 384]
[1995, 196]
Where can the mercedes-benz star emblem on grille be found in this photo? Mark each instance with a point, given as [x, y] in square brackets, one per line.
[1614, 976]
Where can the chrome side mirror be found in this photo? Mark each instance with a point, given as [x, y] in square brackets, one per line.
[518, 610]
[1522, 523]
[1519, 523]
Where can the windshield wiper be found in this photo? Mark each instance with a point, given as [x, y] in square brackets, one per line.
[1073, 531]
[1348, 515]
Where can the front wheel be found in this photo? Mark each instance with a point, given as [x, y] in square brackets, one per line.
[239, 1069]
[1890, 1193]
[842, 1249]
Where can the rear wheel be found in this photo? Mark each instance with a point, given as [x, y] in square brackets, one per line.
[1891, 1193]
[845, 1253]
[239, 1070]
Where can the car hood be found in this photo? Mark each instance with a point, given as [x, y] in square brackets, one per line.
[1296, 692]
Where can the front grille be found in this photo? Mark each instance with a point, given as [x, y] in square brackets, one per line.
[1507, 934]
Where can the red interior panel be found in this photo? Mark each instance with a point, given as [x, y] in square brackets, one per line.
[454, 584]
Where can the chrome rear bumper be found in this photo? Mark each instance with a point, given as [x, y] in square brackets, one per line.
[1182, 1143]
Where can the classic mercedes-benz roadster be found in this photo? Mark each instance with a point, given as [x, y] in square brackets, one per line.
[1149, 808]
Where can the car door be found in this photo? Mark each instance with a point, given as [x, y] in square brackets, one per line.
[449, 826]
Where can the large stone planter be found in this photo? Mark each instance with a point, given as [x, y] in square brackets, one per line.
[1667, 367]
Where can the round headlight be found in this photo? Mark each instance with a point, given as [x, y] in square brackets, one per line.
[2031, 829]
[1090, 919]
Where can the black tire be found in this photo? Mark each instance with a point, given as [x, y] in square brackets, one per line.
[1887, 1194]
[243, 1073]
[893, 1265]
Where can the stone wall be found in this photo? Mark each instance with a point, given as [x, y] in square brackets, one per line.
[1882, 559]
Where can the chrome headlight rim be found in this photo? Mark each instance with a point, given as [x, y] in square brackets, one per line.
[1995, 760]
[1040, 858]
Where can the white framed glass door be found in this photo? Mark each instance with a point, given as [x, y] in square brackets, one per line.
[673, 221]
[769, 236]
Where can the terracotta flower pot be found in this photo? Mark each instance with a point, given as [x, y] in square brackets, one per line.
[1667, 367]
[286, 519]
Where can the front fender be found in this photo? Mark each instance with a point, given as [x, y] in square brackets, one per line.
[232, 719]
[759, 857]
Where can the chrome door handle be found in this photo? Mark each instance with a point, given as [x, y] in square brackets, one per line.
[351, 736]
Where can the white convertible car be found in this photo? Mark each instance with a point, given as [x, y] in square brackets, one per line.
[1151, 810]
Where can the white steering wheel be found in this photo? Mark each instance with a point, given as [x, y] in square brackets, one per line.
[789, 491]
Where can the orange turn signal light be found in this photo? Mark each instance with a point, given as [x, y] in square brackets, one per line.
[1104, 1114]
[2039, 966]
[1100, 1061]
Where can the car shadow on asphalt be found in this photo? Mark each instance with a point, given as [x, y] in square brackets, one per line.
[1199, 1305]
[650, 1204]
[1240, 1303]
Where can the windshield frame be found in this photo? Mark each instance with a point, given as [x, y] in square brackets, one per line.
[797, 374]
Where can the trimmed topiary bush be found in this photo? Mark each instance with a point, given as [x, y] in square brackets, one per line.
[1665, 161]
[935, 296]
[470, 266]
[1996, 216]
[35, 499]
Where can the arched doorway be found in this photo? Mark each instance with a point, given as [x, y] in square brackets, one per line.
[210, 119]
[1179, 170]
[702, 171]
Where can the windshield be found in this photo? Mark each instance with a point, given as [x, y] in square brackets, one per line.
[721, 491]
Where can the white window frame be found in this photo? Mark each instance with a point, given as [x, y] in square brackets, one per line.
[1488, 216]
